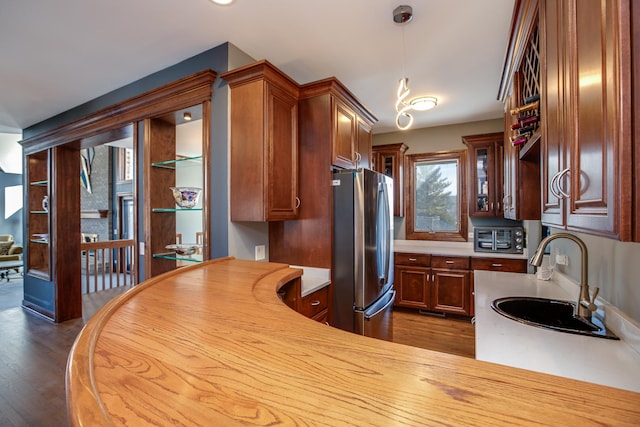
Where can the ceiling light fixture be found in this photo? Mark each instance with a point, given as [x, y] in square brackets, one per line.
[423, 103]
[187, 116]
[222, 2]
[404, 119]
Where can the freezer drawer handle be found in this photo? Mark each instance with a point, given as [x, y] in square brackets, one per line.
[391, 300]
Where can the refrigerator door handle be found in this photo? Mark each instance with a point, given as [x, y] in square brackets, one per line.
[383, 242]
[392, 298]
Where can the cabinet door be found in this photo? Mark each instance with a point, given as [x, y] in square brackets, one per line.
[485, 174]
[552, 110]
[451, 291]
[389, 160]
[586, 150]
[282, 157]
[598, 182]
[364, 139]
[344, 135]
[412, 285]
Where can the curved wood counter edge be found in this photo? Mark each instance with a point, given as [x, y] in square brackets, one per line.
[81, 389]
[262, 363]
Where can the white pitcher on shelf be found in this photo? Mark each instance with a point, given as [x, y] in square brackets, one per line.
[45, 203]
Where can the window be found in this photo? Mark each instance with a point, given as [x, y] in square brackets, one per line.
[436, 208]
[125, 164]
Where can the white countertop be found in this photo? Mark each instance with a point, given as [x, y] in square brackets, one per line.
[313, 278]
[449, 248]
[508, 342]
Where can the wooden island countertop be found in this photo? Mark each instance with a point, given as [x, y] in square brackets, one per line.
[212, 345]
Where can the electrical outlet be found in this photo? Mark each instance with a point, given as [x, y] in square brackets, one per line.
[141, 248]
[260, 252]
[562, 259]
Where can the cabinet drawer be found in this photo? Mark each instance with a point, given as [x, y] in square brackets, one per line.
[315, 302]
[499, 264]
[421, 260]
[451, 262]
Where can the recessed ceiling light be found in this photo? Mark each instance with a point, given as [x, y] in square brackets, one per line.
[423, 103]
[187, 116]
[222, 2]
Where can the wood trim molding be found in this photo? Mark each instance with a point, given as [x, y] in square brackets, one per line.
[190, 90]
[335, 87]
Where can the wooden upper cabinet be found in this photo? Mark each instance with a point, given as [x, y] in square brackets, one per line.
[485, 174]
[587, 145]
[264, 143]
[389, 160]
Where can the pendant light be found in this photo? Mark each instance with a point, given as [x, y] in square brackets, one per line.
[404, 119]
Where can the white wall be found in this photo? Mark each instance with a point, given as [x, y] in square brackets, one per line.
[614, 267]
[244, 236]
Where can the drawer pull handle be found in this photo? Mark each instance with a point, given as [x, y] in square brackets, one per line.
[449, 262]
[496, 265]
[413, 259]
[315, 303]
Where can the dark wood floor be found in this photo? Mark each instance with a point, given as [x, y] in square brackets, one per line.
[33, 358]
[33, 353]
[453, 335]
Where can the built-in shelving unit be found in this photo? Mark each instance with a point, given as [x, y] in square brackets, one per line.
[38, 254]
[175, 156]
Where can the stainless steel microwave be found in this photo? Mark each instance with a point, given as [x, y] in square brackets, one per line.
[508, 240]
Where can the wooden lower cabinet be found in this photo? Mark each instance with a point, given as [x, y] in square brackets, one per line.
[437, 283]
[444, 283]
[499, 264]
[314, 305]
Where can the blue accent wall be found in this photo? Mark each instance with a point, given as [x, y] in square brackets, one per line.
[216, 59]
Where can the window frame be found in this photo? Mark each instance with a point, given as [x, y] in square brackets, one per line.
[460, 156]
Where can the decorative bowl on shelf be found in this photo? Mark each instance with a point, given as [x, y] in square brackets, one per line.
[186, 197]
[184, 249]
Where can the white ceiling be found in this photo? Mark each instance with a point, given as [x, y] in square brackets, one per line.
[59, 54]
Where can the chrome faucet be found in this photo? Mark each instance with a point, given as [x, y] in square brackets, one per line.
[586, 305]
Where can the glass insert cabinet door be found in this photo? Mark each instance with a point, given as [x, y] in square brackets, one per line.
[482, 179]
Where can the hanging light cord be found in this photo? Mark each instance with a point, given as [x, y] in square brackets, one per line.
[402, 107]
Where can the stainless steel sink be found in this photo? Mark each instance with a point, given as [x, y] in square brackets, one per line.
[550, 314]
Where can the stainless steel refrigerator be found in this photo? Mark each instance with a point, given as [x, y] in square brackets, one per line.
[363, 292]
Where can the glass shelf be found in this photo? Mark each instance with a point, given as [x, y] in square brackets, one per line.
[175, 209]
[41, 241]
[179, 162]
[42, 183]
[176, 257]
[39, 212]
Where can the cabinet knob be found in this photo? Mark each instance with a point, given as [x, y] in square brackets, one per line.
[413, 259]
[315, 303]
[297, 202]
[449, 262]
[496, 265]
